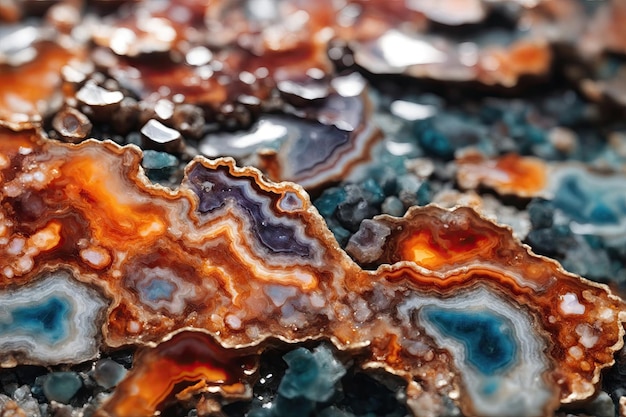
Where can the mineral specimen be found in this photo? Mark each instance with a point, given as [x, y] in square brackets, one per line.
[54, 320]
[314, 152]
[310, 379]
[20, 104]
[593, 201]
[146, 279]
[61, 386]
[509, 174]
[246, 260]
[188, 357]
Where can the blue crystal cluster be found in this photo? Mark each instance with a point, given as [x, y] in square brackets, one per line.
[315, 382]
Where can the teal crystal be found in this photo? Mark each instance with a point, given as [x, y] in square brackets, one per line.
[311, 375]
[327, 203]
[61, 386]
[310, 380]
[108, 373]
[158, 165]
[372, 191]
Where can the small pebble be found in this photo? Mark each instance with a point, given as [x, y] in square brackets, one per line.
[125, 118]
[159, 137]
[72, 125]
[108, 373]
[154, 160]
[189, 120]
[393, 206]
[61, 386]
[95, 96]
[329, 200]
[351, 214]
[372, 192]
[312, 375]
[25, 401]
[424, 194]
[601, 406]
[541, 214]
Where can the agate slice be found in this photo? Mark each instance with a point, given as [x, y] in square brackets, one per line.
[54, 320]
[431, 57]
[592, 201]
[324, 145]
[20, 104]
[205, 277]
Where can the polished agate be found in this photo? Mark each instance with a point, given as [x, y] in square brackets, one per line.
[204, 277]
[55, 319]
[594, 201]
[336, 136]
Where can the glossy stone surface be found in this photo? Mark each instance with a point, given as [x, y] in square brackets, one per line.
[593, 201]
[108, 373]
[20, 104]
[192, 358]
[509, 174]
[335, 137]
[310, 379]
[55, 319]
[487, 338]
[252, 249]
[61, 386]
[502, 375]
[311, 375]
[187, 270]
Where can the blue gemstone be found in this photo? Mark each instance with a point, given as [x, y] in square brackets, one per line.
[47, 319]
[488, 338]
[424, 194]
[159, 166]
[372, 191]
[108, 373]
[158, 160]
[436, 143]
[311, 375]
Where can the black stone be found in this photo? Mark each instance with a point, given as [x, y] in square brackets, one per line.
[158, 137]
